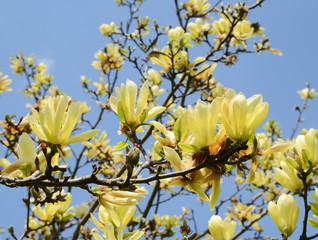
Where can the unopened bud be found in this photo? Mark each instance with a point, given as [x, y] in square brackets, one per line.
[132, 157]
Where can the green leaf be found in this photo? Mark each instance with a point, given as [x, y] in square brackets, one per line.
[120, 145]
[188, 147]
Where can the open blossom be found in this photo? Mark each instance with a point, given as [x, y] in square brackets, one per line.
[284, 214]
[288, 177]
[133, 112]
[26, 154]
[201, 121]
[307, 93]
[4, 82]
[50, 210]
[113, 225]
[221, 229]
[54, 123]
[307, 148]
[242, 116]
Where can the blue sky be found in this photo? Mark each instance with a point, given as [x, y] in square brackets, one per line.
[64, 34]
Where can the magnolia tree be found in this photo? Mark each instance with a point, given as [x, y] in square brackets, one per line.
[182, 133]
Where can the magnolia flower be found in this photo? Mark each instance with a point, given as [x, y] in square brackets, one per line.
[307, 93]
[133, 113]
[108, 29]
[50, 210]
[4, 82]
[55, 122]
[26, 153]
[242, 116]
[288, 177]
[284, 214]
[121, 197]
[114, 225]
[194, 179]
[307, 148]
[221, 229]
[169, 139]
[201, 121]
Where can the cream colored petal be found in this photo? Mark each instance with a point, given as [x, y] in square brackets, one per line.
[113, 215]
[59, 114]
[155, 111]
[216, 190]
[82, 136]
[143, 97]
[138, 234]
[26, 146]
[173, 158]
[110, 232]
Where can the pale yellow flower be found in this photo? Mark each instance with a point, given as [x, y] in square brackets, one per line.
[108, 59]
[198, 29]
[196, 6]
[194, 180]
[4, 82]
[121, 197]
[288, 177]
[26, 153]
[242, 31]
[133, 113]
[54, 123]
[50, 210]
[169, 58]
[284, 214]
[179, 38]
[307, 94]
[242, 116]
[307, 148]
[201, 121]
[169, 139]
[108, 29]
[113, 224]
[221, 229]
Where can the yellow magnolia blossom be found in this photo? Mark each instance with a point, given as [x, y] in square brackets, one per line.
[196, 6]
[4, 82]
[133, 113]
[169, 139]
[307, 148]
[108, 29]
[169, 58]
[307, 93]
[221, 28]
[221, 229]
[201, 121]
[54, 210]
[179, 38]
[108, 59]
[193, 181]
[242, 31]
[242, 116]
[284, 214]
[198, 29]
[26, 153]
[54, 123]
[120, 197]
[113, 225]
[288, 177]
[154, 76]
